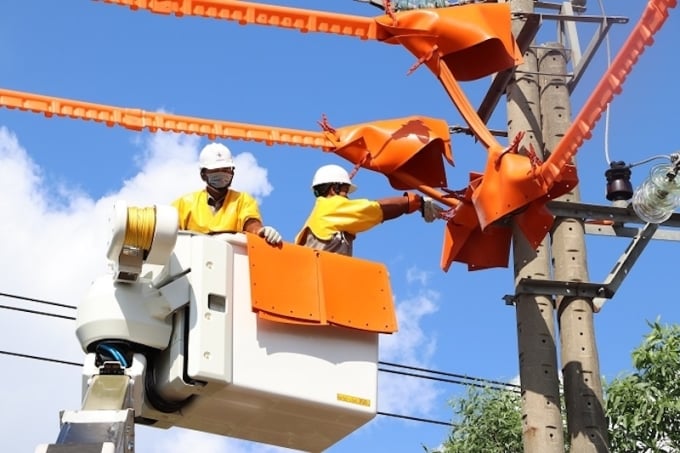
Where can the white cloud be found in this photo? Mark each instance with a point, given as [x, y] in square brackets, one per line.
[413, 274]
[52, 243]
[52, 246]
[414, 347]
[411, 344]
[250, 177]
[167, 169]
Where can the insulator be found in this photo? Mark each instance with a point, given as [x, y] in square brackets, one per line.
[401, 5]
[658, 196]
[619, 186]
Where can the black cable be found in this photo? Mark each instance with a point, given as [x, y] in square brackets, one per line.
[387, 414]
[35, 312]
[35, 357]
[40, 301]
[460, 376]
[450, 381]
[417, 419]
[154, 398]
[498, 385]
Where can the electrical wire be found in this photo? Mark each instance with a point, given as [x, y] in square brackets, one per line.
[35, 357]
[460, 379]
[474, 380]
[443, 373]
[36, 312]
[40, 301]
[417, 419]
[113, 352]
[450, 381]
[65, 362]
[649, 159]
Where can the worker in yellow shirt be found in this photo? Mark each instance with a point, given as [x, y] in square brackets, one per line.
[335, 219]
[217, 208]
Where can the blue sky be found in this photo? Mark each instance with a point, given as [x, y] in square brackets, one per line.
[59, 177]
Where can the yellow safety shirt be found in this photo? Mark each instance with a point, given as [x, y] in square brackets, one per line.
[195, 214]
[338, 214]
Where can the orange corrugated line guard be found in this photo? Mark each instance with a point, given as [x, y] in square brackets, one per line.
[458, 43]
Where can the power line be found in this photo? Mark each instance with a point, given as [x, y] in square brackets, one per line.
[450, 381]
[66, 362]
[40, 301]
[35, 357]
[36, 312]
[417, 419]
[473, 380]
[443, 373]
[460, 378]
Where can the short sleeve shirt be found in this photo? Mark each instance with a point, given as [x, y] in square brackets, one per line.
[195, 214]
[338, 214]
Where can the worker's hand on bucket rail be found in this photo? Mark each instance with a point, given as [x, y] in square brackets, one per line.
[270, 235]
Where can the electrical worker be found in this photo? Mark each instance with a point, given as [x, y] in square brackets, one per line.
[217, 208]
[335, 219]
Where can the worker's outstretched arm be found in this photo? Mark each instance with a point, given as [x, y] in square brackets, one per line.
[393, 207]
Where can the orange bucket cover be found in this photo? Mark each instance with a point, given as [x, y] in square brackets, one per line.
[300, 285]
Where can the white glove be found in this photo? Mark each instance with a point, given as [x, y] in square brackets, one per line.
[430, 210]
[270, 235]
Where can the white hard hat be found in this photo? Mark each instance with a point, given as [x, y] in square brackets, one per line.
[215, 155]
[332, 174]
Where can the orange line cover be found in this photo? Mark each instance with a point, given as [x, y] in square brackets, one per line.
[137, 119]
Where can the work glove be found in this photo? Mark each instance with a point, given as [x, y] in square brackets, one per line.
[430, 210]
[270, 235]
[426, 205]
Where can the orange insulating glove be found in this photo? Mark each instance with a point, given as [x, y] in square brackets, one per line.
[414, 202]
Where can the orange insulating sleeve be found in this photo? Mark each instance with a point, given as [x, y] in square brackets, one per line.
[414, 202]
[651, 21]
[255, 13]
[427, 190]
[137, 119]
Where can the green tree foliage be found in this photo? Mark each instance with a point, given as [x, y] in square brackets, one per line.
[488, 420]
[644, 407]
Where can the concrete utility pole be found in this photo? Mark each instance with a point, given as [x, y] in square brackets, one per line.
[539, 103]
[586, 421]
[541, 417]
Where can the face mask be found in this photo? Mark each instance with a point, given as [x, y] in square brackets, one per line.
[219, 180]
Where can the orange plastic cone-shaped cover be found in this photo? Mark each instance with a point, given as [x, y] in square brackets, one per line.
[465, 242]
[473, 41]
[414, 146]
[509, 183]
